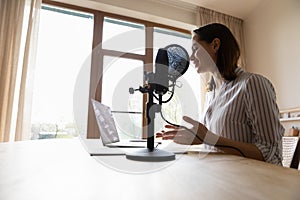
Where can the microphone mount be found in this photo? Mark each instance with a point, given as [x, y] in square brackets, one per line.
[171, 62]
[150, 153]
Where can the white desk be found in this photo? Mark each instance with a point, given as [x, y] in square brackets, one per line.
[62, 169]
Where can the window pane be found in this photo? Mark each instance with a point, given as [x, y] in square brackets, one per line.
[187, 98]
[64, 47]
[129, 126]
[123, 36]
[165, 37]
[119, 75]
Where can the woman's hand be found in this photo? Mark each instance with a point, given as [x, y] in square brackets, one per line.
[183, 136]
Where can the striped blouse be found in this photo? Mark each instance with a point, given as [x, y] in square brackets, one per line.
[245, 110]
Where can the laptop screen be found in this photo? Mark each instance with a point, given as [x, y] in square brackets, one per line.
[106, 123]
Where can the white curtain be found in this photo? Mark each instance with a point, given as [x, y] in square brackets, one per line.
[206, 16]
[18, 35]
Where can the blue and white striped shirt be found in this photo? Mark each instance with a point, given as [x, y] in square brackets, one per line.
[245, 110]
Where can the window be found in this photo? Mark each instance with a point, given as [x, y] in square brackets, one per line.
[75, 47]
[126, 70]
[123, 36]
[64, 46]
[119, 75]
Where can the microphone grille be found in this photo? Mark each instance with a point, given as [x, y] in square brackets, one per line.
[178, 61]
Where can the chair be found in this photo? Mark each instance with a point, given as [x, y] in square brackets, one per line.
[296, 157]
[290, 152]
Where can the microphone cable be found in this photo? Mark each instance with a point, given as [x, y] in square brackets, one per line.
[201, 140]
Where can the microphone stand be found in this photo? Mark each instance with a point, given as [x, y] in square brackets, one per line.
[151, 109]
[151, 153]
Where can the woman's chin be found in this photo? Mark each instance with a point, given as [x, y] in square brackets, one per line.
[200, 71]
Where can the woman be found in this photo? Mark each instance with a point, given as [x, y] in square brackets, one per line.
[243, 118]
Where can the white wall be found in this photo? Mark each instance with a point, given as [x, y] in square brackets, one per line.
[272, 35]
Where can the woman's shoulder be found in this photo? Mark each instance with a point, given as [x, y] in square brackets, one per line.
[252, 78]
[256, 83]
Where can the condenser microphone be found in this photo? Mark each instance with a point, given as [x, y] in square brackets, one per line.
[171, 62]
[161, 75]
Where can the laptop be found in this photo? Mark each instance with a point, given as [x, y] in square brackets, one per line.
[108, 131]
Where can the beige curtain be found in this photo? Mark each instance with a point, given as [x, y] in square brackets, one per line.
[18, 29]
[205, 16]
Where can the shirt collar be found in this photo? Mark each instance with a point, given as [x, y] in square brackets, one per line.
[238, 71]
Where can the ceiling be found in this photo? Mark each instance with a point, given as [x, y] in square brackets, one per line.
[236, 8]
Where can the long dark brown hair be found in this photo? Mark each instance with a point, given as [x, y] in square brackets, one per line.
[228, 52]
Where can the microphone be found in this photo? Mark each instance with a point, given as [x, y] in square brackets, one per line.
[161, 79]
[171, 62]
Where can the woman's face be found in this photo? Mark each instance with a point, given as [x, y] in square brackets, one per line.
[203, 56]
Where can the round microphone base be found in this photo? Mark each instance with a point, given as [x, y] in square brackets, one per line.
[156, 155]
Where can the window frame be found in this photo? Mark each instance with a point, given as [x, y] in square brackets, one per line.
[98, 57]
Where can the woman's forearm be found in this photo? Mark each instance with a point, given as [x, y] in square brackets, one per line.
[240, 148]
[233, 147]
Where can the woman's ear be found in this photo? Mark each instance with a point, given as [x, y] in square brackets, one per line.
[216, 44]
